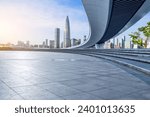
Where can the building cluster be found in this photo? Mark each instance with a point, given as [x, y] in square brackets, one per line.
[67, 41]
[23, 44]
[47, 44]
[119, 43]
[6, 45]
[114, 43]
[51, 44]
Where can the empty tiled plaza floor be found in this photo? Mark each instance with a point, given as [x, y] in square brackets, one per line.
[55, 76]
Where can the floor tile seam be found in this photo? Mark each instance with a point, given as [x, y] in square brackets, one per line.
[51, 93]
[40, 83]
[102, 87]
[71, 88]
[76, 79]
[21, 92]
[93, 90]
[114, 98]
[132, 93]
[57, 94]
[14, 90]
[23, 86]
[134, 98]
[53, 82]
[91, 94]
[82, 92]
[127, 85]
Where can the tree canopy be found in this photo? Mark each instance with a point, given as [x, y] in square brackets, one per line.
[136, 36]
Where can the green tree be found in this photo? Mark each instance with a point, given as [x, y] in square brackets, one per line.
[146, 31]
[137, 40]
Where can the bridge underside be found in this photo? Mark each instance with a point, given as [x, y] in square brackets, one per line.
[122, 12]
[109, 18]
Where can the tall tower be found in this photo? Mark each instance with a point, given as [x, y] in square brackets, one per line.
[46, 43]
[57, 38]
[67, 41]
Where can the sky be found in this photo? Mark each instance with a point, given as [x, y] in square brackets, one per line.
[36, 20]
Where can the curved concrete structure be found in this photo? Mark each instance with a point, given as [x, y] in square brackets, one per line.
[109, 18]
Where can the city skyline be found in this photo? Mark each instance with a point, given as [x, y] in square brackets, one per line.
[37, 21]
[49, 44]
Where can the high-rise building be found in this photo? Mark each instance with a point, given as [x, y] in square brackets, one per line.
[107, 44]
[27, 43]
[117, 43]
[62, 44]
[57, 38]
[114, 42]
[79, 42]
[21, 44]
[84, 38]
[51, 42]
[46, 43]
[67, 41]
[75, 42]
[123, 42]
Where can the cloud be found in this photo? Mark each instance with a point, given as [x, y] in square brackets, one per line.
[36, 20]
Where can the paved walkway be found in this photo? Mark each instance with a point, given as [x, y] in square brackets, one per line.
[52, 76]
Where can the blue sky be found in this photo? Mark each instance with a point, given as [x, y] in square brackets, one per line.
[36, 20]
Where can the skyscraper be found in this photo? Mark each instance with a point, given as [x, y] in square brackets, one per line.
[123, 42]
[46, 43]
[84, 38]
[57, 38]
[51, 44]
[67, 41]
[75, 42]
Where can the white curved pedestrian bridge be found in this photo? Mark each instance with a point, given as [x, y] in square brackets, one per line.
[109, 18]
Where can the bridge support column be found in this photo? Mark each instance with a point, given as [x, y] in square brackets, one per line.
[148, 43]
[100, 46]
